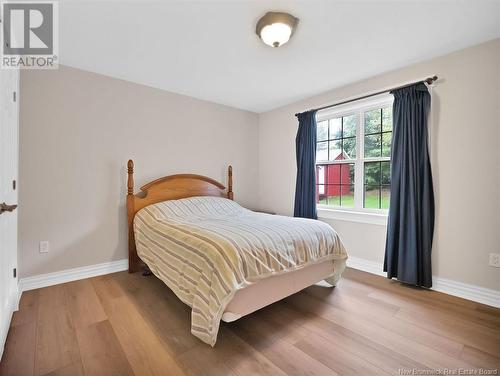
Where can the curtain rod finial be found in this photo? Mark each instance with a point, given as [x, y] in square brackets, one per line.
[431, 80]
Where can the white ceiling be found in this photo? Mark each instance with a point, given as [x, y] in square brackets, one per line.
[209, 50]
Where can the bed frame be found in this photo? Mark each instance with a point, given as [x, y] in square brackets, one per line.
[172, 187]
[246, 300]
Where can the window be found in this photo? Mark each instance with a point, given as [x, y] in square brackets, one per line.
[353, 156]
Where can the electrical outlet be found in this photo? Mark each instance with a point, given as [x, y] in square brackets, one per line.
[44, 246]
[495, 260]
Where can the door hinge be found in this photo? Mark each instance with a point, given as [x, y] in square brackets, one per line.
[14, 272]
[14, 96]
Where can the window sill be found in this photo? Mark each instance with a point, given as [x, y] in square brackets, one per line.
[353, 216]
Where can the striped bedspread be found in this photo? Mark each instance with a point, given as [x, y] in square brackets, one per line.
[206, 248]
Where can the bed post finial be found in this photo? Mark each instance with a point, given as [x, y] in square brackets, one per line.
[130, 181]
[133, 259]
[230, 194]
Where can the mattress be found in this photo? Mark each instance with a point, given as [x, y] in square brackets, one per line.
[207, 248]
[272, 289]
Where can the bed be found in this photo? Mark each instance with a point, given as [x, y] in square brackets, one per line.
[221, 259]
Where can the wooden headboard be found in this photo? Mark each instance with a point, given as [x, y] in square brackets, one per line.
[172, 187]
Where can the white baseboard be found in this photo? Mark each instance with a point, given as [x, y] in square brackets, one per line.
[368, 266]
[462, 290]
[68, 275]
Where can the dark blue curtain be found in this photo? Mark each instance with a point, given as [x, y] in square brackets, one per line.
[411, 213]
[305, 187]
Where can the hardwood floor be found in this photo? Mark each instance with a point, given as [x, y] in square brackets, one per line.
[125, 324]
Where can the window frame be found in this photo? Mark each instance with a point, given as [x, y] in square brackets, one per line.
[359, 107]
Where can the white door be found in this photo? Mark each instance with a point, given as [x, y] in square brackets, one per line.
[9, 128]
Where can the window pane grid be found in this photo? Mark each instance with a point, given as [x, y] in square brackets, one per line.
[341, 153]
[377, 180]
[340, 142]
[378, 133]
[371, 134]
[335, 184]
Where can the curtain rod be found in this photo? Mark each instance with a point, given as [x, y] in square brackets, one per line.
[428, 80]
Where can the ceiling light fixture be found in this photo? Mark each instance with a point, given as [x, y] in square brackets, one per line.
[276, 28]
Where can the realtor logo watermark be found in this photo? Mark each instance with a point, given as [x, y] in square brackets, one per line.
[29, 35]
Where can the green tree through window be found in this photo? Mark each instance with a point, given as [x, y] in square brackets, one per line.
[357, 142]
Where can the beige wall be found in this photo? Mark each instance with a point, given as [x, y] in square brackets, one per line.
[465, 131]
[77, 130]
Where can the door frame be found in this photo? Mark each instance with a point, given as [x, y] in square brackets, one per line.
[15, 293]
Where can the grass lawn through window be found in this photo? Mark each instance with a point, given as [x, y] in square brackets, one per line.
[371, 200]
